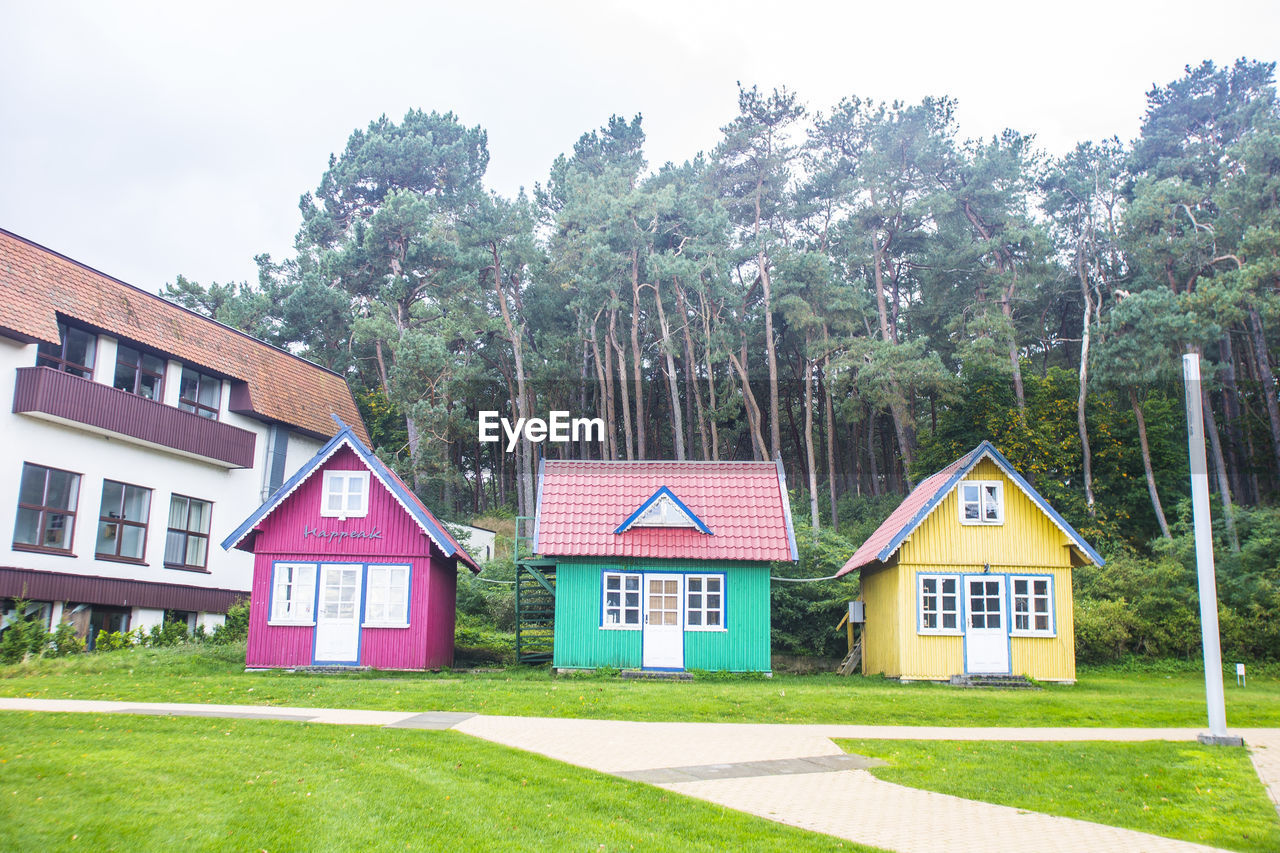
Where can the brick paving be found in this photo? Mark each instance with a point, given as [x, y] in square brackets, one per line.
[794, 774]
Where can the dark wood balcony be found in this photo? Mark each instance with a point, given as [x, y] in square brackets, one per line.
[52, 394]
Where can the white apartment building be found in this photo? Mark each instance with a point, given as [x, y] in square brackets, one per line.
[140, 435]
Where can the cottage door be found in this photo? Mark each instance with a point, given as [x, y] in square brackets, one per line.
[986, 629]
[338, 617]
[663, 622]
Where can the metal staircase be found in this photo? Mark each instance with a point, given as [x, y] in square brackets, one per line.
[535, 599]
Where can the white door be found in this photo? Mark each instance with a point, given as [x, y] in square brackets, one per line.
[338, 616]
[663, 622]
[986, 627]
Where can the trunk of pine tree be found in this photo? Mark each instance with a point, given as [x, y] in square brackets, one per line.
[691, 373]
[906, 438]
[673, 385]
[1146, 463]
[1268, 380]
[1231, 412]
[1086, 453]
[636, 361]
[810, 456]
[628, 435]
[831, 432]
[1220, 469]
[516, 334]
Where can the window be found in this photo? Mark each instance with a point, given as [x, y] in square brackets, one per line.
[663, 513]
[140, 373]
[199, 394]
[704, 602]
[74, 354]
[981, 502]
[1032, 608]
[985, 605]
[939, 604]
[621, 600]
[346, 494]
[46, 509]
[187, 544]
[387, 604]
[122, 523]
[293, 594]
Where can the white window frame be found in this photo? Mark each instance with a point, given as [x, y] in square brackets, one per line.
[386, 619]
[339, 483]
[287, 607]
[938, 593]
[703, 610]
[621, 607]
[1030, 595]
[982, 486]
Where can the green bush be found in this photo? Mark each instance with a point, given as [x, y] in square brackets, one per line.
[804, 615]
[235, 628]
[63, 641]
[112, 641]
[25, 637]
[168, 634]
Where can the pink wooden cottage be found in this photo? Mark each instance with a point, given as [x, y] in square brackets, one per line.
[350, 568]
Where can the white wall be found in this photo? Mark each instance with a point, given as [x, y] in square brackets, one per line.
[234, 492]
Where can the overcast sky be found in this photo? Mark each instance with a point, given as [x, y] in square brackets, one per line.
[151, 139]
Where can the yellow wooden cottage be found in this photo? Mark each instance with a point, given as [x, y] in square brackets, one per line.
[971, 575]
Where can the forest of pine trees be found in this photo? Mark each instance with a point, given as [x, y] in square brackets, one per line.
[854, 289]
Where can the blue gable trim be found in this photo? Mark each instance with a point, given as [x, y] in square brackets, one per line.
[986, 448]
[346, 436]
[663, 490]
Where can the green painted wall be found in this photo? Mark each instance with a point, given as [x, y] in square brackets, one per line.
[581, 642]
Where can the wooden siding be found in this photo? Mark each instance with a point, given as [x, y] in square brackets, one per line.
[881, 650]
[1026, 538]
[580, 641]
[273, 645]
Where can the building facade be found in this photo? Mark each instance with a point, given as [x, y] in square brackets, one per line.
[140, 434]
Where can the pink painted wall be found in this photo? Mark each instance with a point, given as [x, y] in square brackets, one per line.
[426, 643]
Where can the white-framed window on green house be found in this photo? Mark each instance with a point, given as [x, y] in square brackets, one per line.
[621, 605]
[346, 494]
[186, 545]
[939, 604]
[1033, 606]
[981, 502]
[704, 602]
[293, 594]
[387, 597]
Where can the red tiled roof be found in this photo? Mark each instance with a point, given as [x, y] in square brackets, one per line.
[37, 284]
[904, 515]
[581, 504]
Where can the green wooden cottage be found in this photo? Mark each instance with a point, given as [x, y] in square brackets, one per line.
[659, 565]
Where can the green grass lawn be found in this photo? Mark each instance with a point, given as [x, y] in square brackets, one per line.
[1209, 795]
[88, 781]
[214, 674]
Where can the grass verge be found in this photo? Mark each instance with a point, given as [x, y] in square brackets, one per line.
[216, 674]
[81, 781]
[1209, 795]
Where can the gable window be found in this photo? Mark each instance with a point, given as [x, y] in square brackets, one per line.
[704, 602]
[663, 513]
[46, 509]
[74, 354]
[293, 594]
[621, 600]
[122, 522]
[138, 372]
[199, 394]
[1032, 606]
[346, 494]
[939, 604]
[981, 502]
[186, 545]
[387, 604]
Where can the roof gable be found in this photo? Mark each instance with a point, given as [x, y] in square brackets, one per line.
[663, 509]
[881, 545]
[426, 522]
[741, 509]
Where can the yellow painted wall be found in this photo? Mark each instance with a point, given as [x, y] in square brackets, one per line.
[1027, 542]
[881, 637]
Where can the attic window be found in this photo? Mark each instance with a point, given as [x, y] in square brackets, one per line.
[664, 513]
[981, 502]
[346, 494]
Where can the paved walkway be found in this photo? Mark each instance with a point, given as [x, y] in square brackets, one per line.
[793, 774]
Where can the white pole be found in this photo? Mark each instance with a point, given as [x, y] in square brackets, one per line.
[1204, 550]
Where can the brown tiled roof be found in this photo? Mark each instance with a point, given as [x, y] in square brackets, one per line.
[37, 284]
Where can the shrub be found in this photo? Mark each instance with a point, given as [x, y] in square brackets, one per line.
[25, 637]
[236, 627]
[168, 634]
[63, 641]
[112, 641]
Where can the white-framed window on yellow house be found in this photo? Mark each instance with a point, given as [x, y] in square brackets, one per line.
[981, 502]
[1033, 606]
[938, 597]
[346, 494]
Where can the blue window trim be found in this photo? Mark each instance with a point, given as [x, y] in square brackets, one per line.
[408, 600]
[1053, 606]
[940, 632]
[271, 597]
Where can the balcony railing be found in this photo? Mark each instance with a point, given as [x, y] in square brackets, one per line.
[101, 408]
